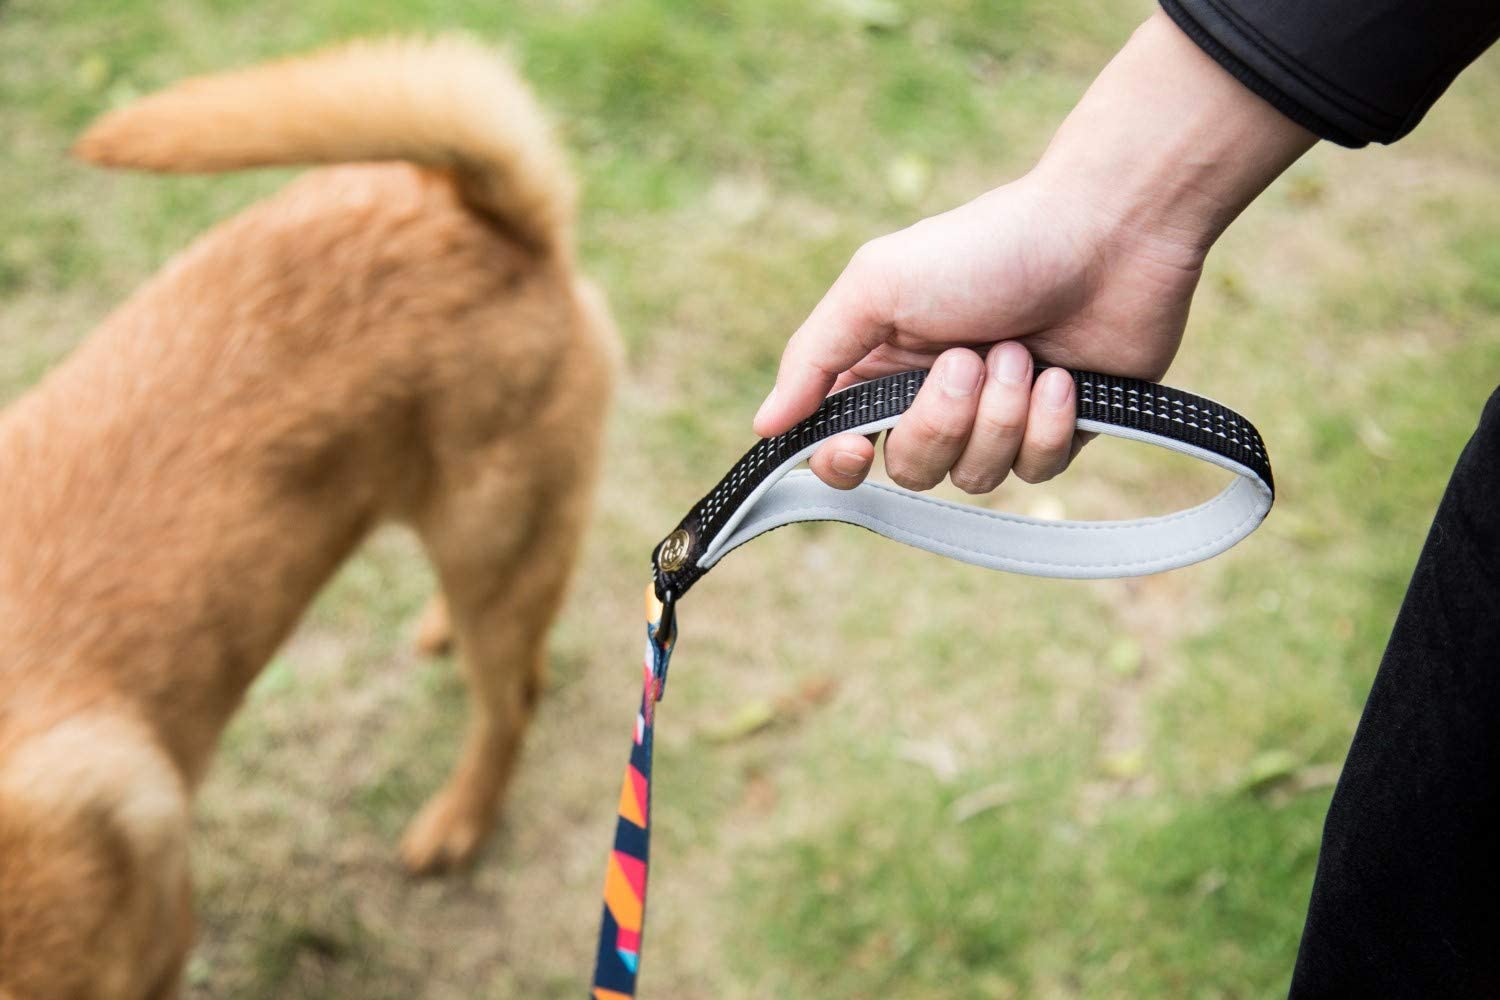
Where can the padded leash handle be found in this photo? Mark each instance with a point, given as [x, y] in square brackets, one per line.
[762, 492]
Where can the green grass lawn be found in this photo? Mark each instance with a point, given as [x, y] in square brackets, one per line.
[972, 784]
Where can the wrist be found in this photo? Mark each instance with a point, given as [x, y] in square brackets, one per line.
[1166, 148]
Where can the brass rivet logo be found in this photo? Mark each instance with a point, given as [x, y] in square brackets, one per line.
[674, 550]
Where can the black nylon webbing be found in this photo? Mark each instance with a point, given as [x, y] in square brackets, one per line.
[1174, 414]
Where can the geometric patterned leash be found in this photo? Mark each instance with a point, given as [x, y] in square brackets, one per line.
[624, 914]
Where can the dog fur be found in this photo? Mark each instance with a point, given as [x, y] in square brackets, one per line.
[399, 337]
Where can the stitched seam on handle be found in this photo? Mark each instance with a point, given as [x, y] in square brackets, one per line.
[993, 515]
[832, 513]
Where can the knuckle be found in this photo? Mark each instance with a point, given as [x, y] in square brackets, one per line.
[872, 280]
[1009, 424]
[1050, 437]
[941, 429]
[909, 476]
[973, 483]
[1033, 472]
[864, 259]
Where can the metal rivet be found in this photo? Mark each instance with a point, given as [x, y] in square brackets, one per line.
[674, 550]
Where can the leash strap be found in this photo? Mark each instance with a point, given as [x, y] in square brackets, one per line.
[761, 493]
[625, 881]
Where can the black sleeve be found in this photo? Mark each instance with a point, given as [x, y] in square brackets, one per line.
[1353, 71]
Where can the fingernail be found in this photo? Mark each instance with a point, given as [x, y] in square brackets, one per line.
[959, 378]
[848, 463]
[1056, 390]
[1012, 364]
[770, 398]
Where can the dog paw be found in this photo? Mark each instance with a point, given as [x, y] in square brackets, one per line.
[434, 629]
[443, 836]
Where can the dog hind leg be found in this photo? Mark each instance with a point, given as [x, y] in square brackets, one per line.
[502, 590]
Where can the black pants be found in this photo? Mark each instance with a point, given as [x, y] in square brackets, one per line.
[1407, 897]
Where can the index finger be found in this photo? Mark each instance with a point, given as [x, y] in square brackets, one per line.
[851, 320]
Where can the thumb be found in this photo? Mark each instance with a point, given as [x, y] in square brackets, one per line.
[853, 318]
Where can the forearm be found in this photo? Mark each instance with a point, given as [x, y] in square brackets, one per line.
[1167, 147]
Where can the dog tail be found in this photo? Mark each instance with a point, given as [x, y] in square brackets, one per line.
[450, 104]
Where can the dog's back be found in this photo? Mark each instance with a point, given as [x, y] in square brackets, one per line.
[379, 340]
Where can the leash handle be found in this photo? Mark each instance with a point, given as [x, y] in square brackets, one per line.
[761, 492]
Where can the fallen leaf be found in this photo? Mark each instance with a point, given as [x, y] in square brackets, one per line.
[1314, 777]
[1376, 441]
[981, 800]
[1268, 768]
[934, 754]
[751, 718]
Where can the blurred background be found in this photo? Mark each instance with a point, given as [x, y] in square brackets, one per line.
[879, 773]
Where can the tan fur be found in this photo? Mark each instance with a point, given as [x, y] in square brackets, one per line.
[402, 341]
[106, 816]
[447, 103]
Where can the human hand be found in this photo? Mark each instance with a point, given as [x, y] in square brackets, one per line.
[1089, 261]
[976, 294]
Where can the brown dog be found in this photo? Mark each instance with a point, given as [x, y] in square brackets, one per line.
[401, 341]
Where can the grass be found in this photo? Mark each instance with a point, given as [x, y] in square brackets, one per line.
[972, 785]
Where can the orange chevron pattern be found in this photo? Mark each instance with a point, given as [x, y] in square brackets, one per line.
[633, 797]
[625, 890]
